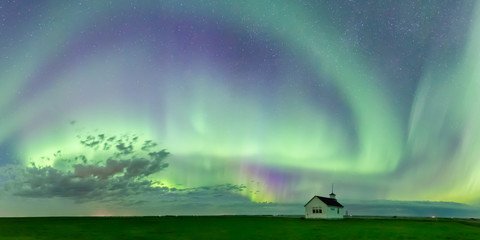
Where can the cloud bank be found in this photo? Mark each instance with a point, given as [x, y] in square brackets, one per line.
[119, 173]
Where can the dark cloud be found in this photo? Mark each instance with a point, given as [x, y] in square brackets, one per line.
[117, 179]
[134, 168]
[124, 145]
[410, 208]
[236, 204]
[121, 182]
[124, 149]
[90, 141]
[147, 145]
[120, 179]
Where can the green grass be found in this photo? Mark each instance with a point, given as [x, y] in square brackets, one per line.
[236, 227]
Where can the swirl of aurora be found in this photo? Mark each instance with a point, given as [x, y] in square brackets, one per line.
[238, 101]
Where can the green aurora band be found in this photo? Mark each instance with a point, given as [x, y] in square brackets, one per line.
[281, 145]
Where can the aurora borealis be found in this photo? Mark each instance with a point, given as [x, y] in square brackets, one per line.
[258, 103]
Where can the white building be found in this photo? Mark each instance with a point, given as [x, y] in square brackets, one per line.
[322, 207]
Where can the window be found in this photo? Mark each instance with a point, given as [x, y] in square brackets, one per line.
[316, 210]
[338, 210]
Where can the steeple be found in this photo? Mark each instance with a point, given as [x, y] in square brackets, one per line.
[332, 195]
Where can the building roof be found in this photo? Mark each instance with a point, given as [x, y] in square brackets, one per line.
[328, 201]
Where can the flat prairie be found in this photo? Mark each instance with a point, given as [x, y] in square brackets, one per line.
[236, 227]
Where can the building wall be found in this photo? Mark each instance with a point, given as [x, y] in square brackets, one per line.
[315, 204]
[335, 212]
[329, 212]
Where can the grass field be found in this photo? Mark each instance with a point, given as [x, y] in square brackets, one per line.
[236, 227]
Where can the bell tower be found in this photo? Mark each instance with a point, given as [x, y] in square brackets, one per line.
[332, 195]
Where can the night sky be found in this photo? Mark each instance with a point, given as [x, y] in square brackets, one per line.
[236, 107]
